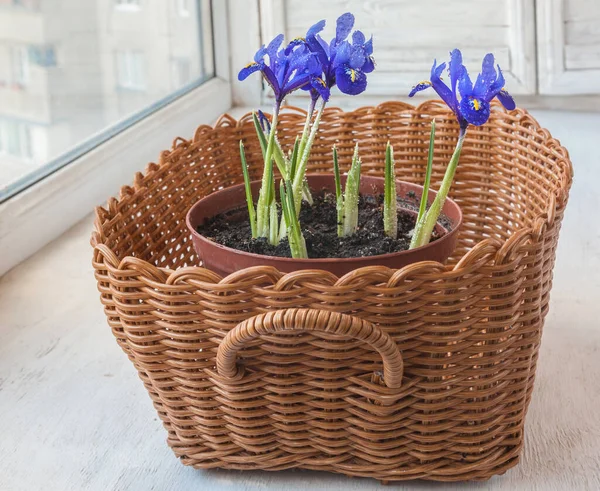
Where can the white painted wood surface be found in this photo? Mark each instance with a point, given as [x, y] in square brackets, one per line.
[568, 40]
[74, 415]
[409, 34]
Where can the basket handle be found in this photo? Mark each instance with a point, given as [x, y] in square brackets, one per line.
[310, 320]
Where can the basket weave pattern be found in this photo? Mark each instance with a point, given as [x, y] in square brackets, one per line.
[423, 372]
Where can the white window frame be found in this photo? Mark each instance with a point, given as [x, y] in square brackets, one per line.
[44, 211]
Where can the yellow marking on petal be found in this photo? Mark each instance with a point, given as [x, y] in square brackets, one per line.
[252, 63]
[322, 81]
[476, 104]
[299, 39]
[424, 82]
[352, 74]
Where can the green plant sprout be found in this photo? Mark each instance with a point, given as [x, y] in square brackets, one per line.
[417, 233]
[294, 231]
[347, 204]
[390, 200]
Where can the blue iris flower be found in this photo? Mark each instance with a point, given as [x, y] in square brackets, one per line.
[343, 63]
[287, 69]
[473, 105]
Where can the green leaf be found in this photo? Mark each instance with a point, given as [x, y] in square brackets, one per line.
[249, 201]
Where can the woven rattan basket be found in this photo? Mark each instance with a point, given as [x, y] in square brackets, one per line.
[424, 372]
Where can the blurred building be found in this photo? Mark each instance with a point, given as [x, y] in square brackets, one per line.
[71, 68]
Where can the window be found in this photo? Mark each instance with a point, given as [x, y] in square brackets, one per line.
[131, 5]
[181, 72]
[183, 7]
[15, 139]
[26, 4]
[89, 74]
[19, 64]
[74, 116]
[130, 70]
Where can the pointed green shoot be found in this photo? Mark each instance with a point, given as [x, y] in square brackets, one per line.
[339, 197]
[351, 196]
[294, 232]
[390, 200]
[267, 191]
[423, 230]
[273, 224]
[249, 201]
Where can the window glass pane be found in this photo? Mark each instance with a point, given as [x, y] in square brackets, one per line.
[72, 72]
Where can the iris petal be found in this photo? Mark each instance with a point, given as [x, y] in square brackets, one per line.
[455, 67]
[343, 51]
[496, 86]
[358, 38]
[260, 54]
[315, 29]
[474, 111]
[486, 78]
[441, 88]
[350, 81]
[357, 57]
[369, 46]
[248, 70]
[506, 99]
[321, 87]
[271, 80]
[465, 86]
[273, 47]
[369, 65]
[315, 44]
[344, 25]
[419, 87]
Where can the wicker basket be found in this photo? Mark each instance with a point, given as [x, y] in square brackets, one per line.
[420, 373]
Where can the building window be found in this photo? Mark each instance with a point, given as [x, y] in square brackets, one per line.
[131, 5]
[19, 63]
[77, 86]
[130, 70]
[181, 72]
[26, 4]
[183, 7]
[15, 139]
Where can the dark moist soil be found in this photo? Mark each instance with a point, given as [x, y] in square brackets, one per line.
[232, 229]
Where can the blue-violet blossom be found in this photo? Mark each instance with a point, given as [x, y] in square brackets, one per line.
[343, 63]
[286, 69]
[473, 106]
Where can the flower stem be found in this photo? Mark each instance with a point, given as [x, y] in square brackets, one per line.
[277, 150]
[300, 174]
[306, 129]
[422, 234]
[267, 193]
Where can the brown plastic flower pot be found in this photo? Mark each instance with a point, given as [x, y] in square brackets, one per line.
[226, 260]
